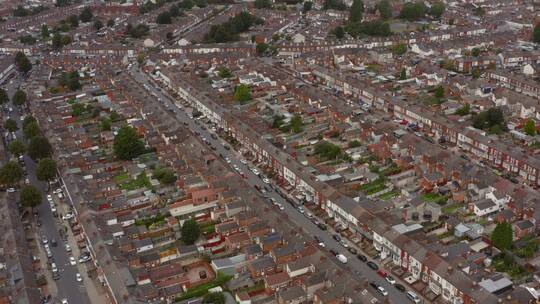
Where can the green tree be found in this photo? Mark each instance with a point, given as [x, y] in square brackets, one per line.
[164, 18]
[354, 144]
[165, 176]
[403, 74]
[475, 52]
[31, 130]
[334, 4]
[98, 24]
[356, 11]
[16, 147]
[214, 298]
[22, 62]
[327, 150]
[46, 169]
[39, 147]
[73, 21]
[399, 49]
[224, 73]
[530, 128]
[86, 15]
[491, 120]
[11, 173]
[385, 10]
[307, 6]
[106, 124]
[19, 98]
[45, 32]
[140, 58]
[30, 196]
[242, 94]
[110, 23]
[439, 92]
[437, 9]
[296, 124]
[261, 48]
[10, 125]
[501, 237]
[127, 144]
[190, 231]
[413, 11]
[187, 4]
[28, 120]
[476, 73]
[479, 11]
[71, 80]
[4, 98]
[263, 4]
[339, 32]
[464, 110]
[536, 33]
[174, 11]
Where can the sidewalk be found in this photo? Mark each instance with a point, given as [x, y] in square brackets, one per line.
[51, 287]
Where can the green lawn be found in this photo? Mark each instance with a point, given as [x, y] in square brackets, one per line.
[372, 187]
[121, 177]
[202, 290]
[389, 195]
[451, 209]
[434, 197]
[141, 181]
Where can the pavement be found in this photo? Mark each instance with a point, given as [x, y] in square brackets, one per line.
[66, 286]
[354, 265]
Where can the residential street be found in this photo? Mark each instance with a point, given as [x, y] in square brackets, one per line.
[355, 265]
[67, 285]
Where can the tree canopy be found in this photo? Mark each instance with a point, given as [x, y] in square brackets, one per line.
[356, 11]
[502, 236]
[4, 98]
[22, 62]
[437, 9]
[375, 28]
[536, 33]
[11, 173]
[263, 4]
[86, 15]
[16, 147]
[530, 127]
[413, 11]
[39, 147]
[385, 10]
[214, 298]
[70, 80]
[31, 130]
[28, 120]
[230, 30]
[10, 125]
[339, 32]
[59, 41]
[334, 4]
[127, 144]
[46, 169]
[30, 196]
[165, 176]
[491, 120]
[190, 231]
[242, 93]
[138, 31]
[327, 150]
[307, 6]
[19, 97]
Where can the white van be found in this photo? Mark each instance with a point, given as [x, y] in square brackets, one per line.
[413, 297]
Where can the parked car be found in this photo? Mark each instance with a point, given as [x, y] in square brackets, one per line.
[400, 287]
[382, 273]
[413, 297]
[390, 280]
[336, 237]
[362, 257]
[382, 291]
[332, 251]
[372, 265]
[322, 226]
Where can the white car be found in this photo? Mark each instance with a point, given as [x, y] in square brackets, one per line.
[255, 171]
[390, 280]
[68, 216]
[72, 261]
[68, 248]
[79, 277]
[243, 161]
[266, 180]
[64, 301]
[413, 297]
[382, 291]
[227, 160]
[53, 209]
[10, 190]
[57, 191]
[49, 197]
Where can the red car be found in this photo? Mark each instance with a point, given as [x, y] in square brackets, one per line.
[382, 273]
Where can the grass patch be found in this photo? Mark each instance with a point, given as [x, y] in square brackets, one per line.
[451, 209]
[434, 198]
[202, 290]
[152, 221]
[389, 195]
[506, 263]
[141, 181]
[121, 177]
[373, 187]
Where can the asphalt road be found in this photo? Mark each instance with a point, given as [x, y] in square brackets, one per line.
[67, 285]
[355, 265]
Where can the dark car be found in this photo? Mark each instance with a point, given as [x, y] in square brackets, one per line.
[352, 250]
[322, 226]
[336, 237]
[372, 265]
[399, 287]
[226, 147]
[332, 251]
[362, 258]
[374, 285]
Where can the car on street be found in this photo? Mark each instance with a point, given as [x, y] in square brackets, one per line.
[266, 180]
[72, 261]
[64, 301]
[382, 273]
[413, 297]
[78, 277]
[322, 226]
[362, 257]
[382, 291]
[243, 161]
[68, 248]
[227, 160]
[332, 251]
[44, 240]
[400, 287]
[390, 280]
[372, 265]
[336, 237]
[10, 190]
[352, 250]
[68, 216]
